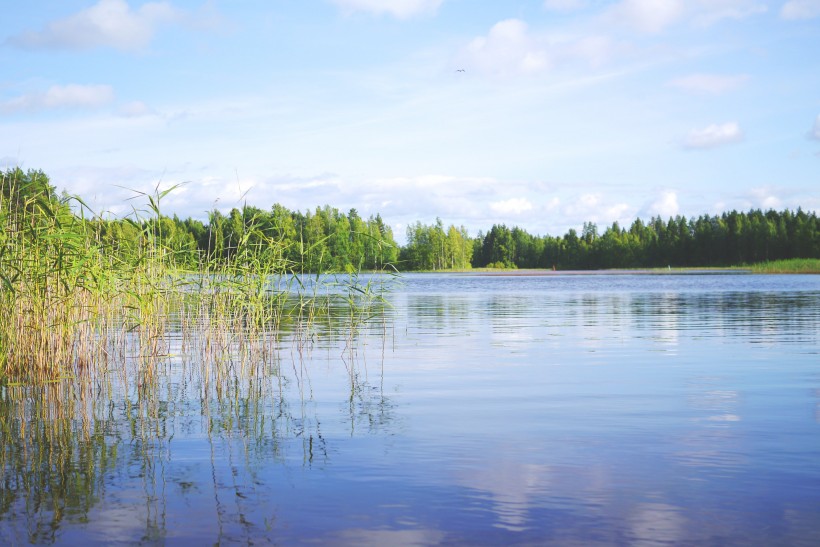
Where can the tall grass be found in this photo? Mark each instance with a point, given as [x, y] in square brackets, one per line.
[794, 265]
[106, 340]
[76, 302]
[50, 277]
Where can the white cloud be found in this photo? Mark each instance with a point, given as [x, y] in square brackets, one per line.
[713, 136]
[401, 9]
[514, 206]
[595, 208]
[664, 206]
[764, 198]
[507, 49]
[136, 109]
[107, 23]
[708, 12]
[564, 5]
[815, 131]
[61, 96]
[770, 197]
[511, 49]
[650, 16]
[800, 9]
[655, 16]
[710, 84]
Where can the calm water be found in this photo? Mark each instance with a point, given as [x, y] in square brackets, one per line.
[557, 409]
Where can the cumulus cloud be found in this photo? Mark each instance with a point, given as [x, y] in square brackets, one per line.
[514, 206]
[765, 198]
[401, 9]
[511, 49]
[595, 208]
[665, 206]
[61, 96]
[109, 23]
[709, 84]
[800, 9]
[508, 49]
[713, 135]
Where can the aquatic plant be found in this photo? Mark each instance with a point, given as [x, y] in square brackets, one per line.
[794, 265]
[81, 295]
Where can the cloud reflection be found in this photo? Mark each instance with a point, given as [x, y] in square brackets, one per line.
[361, 536]
[657, 523]
[512, 485]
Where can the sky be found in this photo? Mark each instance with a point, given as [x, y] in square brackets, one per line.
[542, 114]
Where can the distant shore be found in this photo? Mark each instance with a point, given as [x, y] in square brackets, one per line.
[636, 271]
[793, 266]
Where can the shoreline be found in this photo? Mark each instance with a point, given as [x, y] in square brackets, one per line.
[790, 267]
[637, 271]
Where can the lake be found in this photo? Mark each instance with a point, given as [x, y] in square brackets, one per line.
[594, 409]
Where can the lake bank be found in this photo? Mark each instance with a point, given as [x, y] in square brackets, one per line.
[793, 266]
[650, 271]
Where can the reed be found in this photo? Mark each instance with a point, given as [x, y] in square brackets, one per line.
[107, 336]
[78, 300]
[794, 265]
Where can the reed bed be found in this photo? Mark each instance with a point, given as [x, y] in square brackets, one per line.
[108, 343]
[794, 265]
[76, 302]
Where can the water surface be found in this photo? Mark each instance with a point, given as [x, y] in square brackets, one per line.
[553, 409]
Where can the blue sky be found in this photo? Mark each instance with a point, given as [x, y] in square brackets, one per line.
[540, 113]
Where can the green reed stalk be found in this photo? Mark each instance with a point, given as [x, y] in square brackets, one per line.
[78, 294]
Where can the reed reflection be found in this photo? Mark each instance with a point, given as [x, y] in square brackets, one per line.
[200, 424]
[54, 457]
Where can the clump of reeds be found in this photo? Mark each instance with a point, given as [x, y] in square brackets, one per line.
[49, 272]
[76, 301]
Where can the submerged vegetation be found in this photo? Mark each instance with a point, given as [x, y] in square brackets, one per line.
[83, 296]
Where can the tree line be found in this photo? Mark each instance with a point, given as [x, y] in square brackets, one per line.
[322, 240]
[732, 238]
[326, 239]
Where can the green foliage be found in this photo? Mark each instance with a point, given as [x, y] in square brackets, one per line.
[794, 265]
[729, 239]
[434, 248]
[65, 278]
[46, 260]
[72, 286]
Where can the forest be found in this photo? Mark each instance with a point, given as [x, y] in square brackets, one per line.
[326, 239]
[732, 238]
